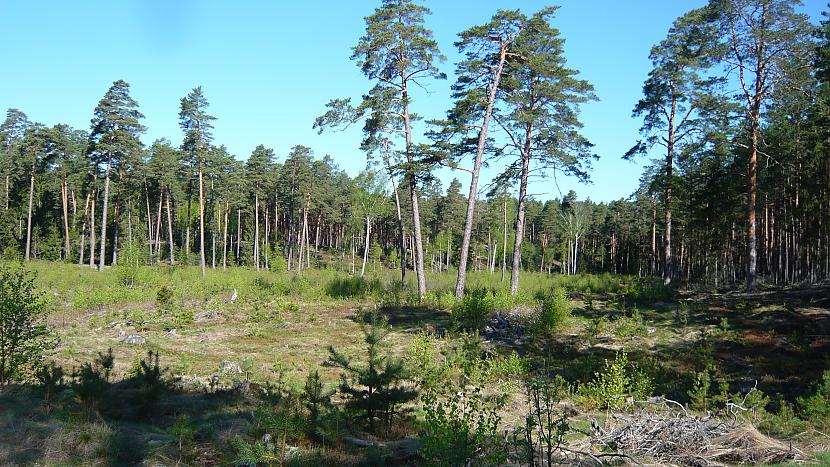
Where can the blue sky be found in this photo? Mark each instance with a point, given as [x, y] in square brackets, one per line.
[269, 67]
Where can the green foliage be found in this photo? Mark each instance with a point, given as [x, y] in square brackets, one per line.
[471, 312]
[545, 424]
[423, 364]
[315, 395]
[631, 325]
[149, 377]
[461, 428]
[24, 337]
[699, 398]
[554, 310]
[51, 380]
[185, 434]
[131, 260]
[816, 407]
[619, 382]
[374, 390]
[354, 287]
[92, 381]
[596, 326]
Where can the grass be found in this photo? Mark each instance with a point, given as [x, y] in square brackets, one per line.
[280, 325]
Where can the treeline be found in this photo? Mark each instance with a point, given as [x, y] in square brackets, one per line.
[736, 107]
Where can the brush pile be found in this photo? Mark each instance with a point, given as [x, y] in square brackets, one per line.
[669, 435]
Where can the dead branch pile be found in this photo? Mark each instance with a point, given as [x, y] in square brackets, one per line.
[668, 435]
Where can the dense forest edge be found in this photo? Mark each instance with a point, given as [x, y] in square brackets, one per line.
[176, 305]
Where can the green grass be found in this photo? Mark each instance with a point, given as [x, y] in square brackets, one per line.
[281, 324]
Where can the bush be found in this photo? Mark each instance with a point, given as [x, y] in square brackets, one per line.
[618, 381]
[816, 408]
[545, 424]
[373, 390]
[461, 428]
[24, 337]
[130, 260]
[471, 312]
[554, 310]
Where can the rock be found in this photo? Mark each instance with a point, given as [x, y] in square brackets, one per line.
[134, 339]
[357, 442]
[292, 452]
[230, 366]
[241, 387]
[234, 296]
[171, 332]
[651, 330]
[121, 333]
[488, 330]
[268, 441]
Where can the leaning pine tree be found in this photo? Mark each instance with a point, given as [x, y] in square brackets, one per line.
[538, 105]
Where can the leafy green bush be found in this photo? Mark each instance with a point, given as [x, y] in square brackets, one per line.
[631, 325]
[816, 407]
[471, 312]
[554, 310]
[24, 337]
[616, 383]
[131, 259]
[461, 428]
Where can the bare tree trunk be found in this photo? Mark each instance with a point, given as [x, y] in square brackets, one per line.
[104, 215]
[256, 229]
[520, 217]
[471, 199]
[187, 229]
[65, 200]
[170, 229]
[201, 222]
[401, 240]
[31, 200]
[413, 192]
[504, 245]
[158, 226]
[225, 237]
[81, 244]
[365, 247]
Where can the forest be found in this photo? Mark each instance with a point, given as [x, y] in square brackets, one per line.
[272, 309]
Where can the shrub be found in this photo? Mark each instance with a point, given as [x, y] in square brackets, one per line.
[130, 260]
[422, 362]
[51, 379]
[471, 312]
[149, 376]
[554, 310]
[816, 407]
[545, 424]
[631, 326]
[315, 395]
[92, 381]
[373, 390]
[618, 381]
[24, 337]
[461, 428]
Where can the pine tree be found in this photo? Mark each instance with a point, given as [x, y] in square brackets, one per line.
[195, 122]
[374, 390]
[540, 104]
[114, 137]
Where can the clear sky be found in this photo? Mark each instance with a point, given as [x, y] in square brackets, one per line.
[269, 67]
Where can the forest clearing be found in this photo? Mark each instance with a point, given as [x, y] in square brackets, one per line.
[581, 292]
[234, 373]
